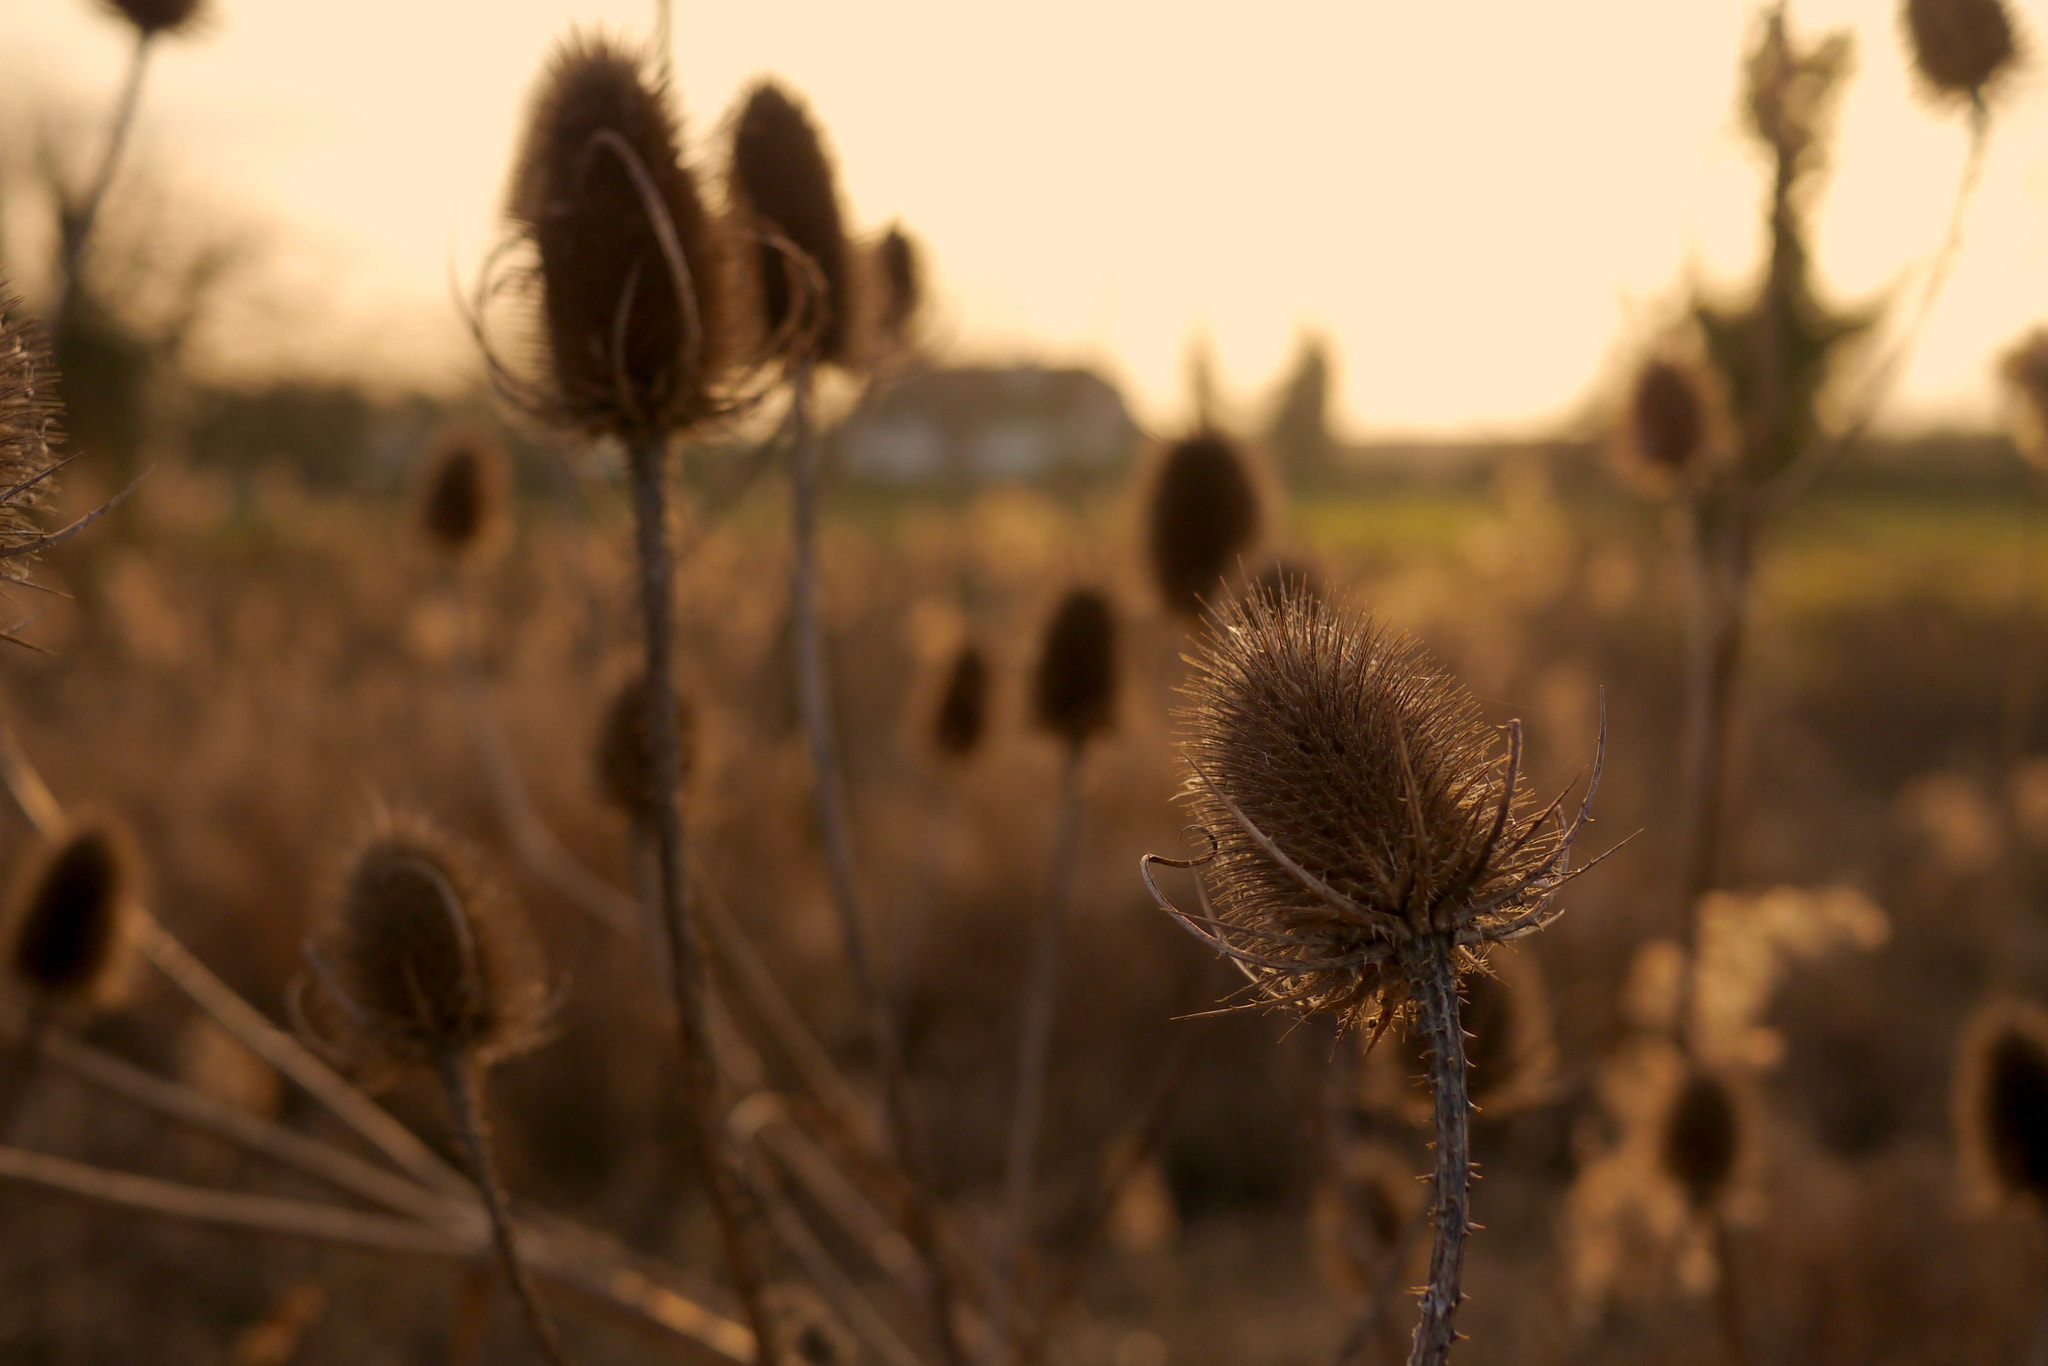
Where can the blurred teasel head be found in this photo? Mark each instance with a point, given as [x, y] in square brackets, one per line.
[1961, 48]
[465, 492]
[420, 959]
[1204, 513]
[783, 182]
[1674, 424]
[29, 413]
[635, 316]
[901, 278]
[1700, 1138]
[1354, 801]
[961, 718]
[625, 768]
[1073, 694]
[67, 921]
[2024, 368]
[2001, 1104]
[153, 17]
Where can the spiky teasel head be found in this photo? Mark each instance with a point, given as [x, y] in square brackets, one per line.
[464, 501]
[420, 958]
[636, 325]
[1961, 48]
[29, 413]
[2024, 368]
[1354, 801]
[1073, 694]
[782, 180]
[67, 925]
[1699, 1138]
[1674, 428]
[2001, 1104]
[625, 769]
[900, 276]
[1203, 513]
[153, 17]
[961, 718]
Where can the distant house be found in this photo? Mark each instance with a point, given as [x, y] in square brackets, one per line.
[979, 424]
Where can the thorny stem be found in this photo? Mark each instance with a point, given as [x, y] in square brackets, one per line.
[1035, 1045]
[834, 829]
[79, 229]
[459, 1080]
[685, 962]
[1433, 985]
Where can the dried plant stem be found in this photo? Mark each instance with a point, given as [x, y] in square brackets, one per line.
[79, 229]
[650, 507]
[1727, 1294]
[18, 1062]
[469, 1327]
[460, 1080]
[1382, 1287]
[835, 831]
[1432, 974]
[1027, 1105]
[831, 1280]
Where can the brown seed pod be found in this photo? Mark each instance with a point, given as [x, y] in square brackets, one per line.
[67, 920]
[625, 773]
[1073, 694]
[29, 413]
[962, 716]
[465, 495]
[1204, 512]
[783, 178]
[902, 281]
[634, 306]
[1355, 801]
[1960, 47]
[2001, 1103]
[1701, 1138]
[153, 17]
[420, 958]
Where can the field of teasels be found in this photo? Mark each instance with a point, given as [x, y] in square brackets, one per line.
[608, 887]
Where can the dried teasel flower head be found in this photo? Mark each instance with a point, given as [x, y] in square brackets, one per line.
[153, 17]
[900, 274]
[962, 715]
[29, 431]
[1203, 513]
[1700, 1138]
[67, 920]
[1674, 427]
[625, 770]
[2024, 368]
[1354, 800]
[782, 179]
[636, 319]
[808, 1333]
[463, 504]
[1073, 694]
[1961, 48]
[419, 957]
[2001, 1104]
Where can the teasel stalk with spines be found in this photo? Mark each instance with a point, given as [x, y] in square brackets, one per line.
[639, 341]
[783, 184]
[1073, 699]
[420, 963]
[1366, 844]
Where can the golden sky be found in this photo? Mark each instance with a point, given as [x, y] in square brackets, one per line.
[1483, 206]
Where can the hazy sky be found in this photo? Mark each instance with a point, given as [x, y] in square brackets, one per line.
[1482, 205]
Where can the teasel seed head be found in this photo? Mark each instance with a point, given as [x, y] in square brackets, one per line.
[465, 495]
[2024, 369]
[1354, 801]
[1701, 1138]
[782, 179]
[422, 960]
[1673, 432]
[1073, 694]
[29, 413]
[633, 280]
[153, 17]
[1961, 48]
[962, 716]
[2001, 1103]
[67, 924]
[625, 770]
[901, 277]
[1204, 513]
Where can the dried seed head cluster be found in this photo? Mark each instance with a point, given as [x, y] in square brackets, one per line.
[782, 178]
[1701, 1138]
[2025, 371]
[1204, 513]
[1960, 47]
[632, 275]
[1355, 801]
[2001, 1103]
[902, 283]
[421, 959]
[153, 17]
[625, 770]
[1074, 692]
[465, 495]
[28, 421]
[962, 716]
[67, 919]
